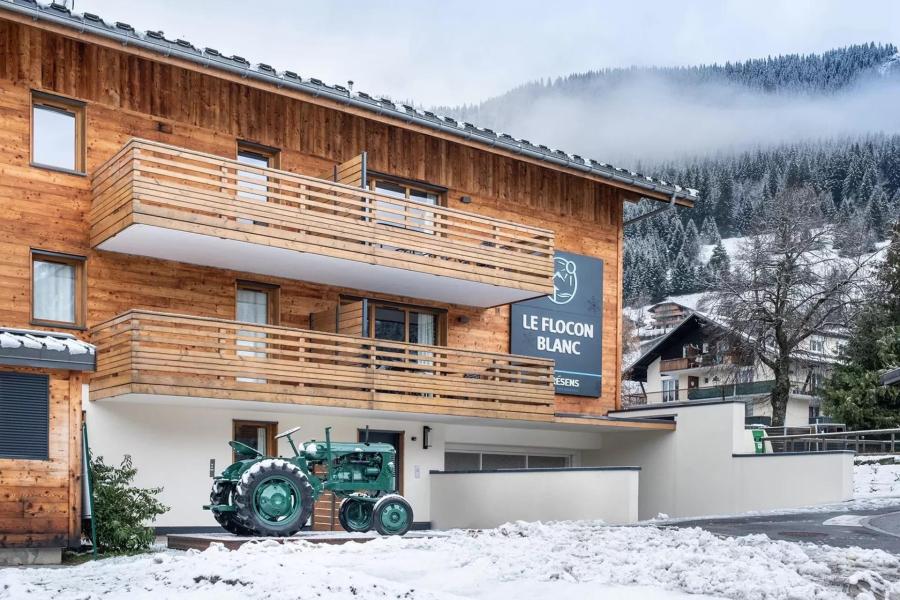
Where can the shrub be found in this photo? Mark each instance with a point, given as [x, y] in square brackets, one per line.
[121, 510]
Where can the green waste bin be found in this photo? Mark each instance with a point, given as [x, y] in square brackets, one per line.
[759, 436]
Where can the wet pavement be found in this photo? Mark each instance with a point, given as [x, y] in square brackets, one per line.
[879, 529]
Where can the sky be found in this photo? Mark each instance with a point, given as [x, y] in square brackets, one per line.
[454, 52]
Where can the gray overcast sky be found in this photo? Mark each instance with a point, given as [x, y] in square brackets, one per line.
[452, 52]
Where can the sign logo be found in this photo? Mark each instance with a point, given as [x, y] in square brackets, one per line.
[565, 280]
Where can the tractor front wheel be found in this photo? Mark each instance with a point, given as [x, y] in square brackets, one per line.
[221, 494]
[392, 515]
[273, 498]
[355, 515]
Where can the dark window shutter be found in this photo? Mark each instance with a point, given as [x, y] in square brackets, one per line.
[24, 416]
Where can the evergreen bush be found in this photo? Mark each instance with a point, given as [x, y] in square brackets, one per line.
[121, 510]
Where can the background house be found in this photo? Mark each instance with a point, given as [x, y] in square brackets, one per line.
[693, 362]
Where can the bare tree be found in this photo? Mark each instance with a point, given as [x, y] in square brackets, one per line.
[787, 284]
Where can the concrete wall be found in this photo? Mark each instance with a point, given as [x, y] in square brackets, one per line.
[491, 498]
[171, 445]
[693, 471]
[769, 481]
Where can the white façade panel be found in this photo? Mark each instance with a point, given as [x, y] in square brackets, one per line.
[170, 244]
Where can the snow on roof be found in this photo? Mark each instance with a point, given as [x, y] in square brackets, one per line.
[45, 349]
[156, 41]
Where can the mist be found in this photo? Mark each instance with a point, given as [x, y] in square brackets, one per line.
[647, 119]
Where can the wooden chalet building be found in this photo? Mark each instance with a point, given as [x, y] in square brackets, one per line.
[250, 250]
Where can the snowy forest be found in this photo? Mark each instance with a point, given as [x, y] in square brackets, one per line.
[852, 166]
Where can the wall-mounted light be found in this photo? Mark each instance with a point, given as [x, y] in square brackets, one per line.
[466, 199]
[462, 319]
[426, 437]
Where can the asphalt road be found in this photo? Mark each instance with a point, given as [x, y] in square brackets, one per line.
[878, 528]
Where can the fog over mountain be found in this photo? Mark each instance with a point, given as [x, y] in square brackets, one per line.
[642, 116]
[740, 133]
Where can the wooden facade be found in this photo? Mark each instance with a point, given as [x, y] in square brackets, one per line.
[131, 94]
[40, 500]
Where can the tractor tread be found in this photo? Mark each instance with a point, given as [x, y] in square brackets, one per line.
[243, 497]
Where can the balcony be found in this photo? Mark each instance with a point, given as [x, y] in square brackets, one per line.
[148, 354]
[713, 392]
[165, 202]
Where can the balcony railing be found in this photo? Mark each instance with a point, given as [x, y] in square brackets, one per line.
[156, 200]
[142, 352]
[729, 390]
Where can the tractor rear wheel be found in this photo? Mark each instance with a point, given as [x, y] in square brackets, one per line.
[221, 494]
[392, 515]
[355, 515]
[273, 498]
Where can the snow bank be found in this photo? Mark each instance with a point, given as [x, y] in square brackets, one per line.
[525, 561]
[876, 476]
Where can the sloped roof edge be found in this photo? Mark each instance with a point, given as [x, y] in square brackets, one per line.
[209, 57]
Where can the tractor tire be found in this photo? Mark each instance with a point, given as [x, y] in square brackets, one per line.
[273, 498]
[355, 515]
[392, 515]
[221, 494]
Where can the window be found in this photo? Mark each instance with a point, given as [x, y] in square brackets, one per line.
[57, 289]
[25, 406]
[57, 132]
[388, 213]
[255, 303]
[485, 461]
[399, 323]
[670, 390]
[254, 184]
[259, 435]
[817, 344]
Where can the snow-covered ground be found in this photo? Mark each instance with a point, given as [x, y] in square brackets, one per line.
[523, 561]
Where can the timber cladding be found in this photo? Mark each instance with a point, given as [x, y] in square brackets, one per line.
[128, 96]
[40, 500]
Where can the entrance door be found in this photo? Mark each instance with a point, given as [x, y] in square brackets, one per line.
[395, 439]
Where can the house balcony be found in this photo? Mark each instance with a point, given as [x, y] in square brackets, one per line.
[160, 201]
[143, 355]
[698, 361]
[714, 392]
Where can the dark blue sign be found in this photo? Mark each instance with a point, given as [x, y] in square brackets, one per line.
[566, 326]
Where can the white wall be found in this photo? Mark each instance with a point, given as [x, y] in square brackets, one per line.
[171, 447]
[488, 499]
[693, 470]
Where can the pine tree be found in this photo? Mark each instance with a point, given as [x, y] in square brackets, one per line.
[683, 279]
[854, 394]
[690, 248]
[709, 233]
[675, 240]
[719, 265]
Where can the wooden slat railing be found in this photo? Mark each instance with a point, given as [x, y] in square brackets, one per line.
[157, 184]
[147, 352]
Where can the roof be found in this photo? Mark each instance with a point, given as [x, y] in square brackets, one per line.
[698, 319]
[45, 349]
[891, 377]
[157, 42]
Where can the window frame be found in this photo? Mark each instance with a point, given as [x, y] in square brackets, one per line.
[80, 295]
[270, 153]
[273, 296]
[271, 431]
[67, 105]
[440, 313]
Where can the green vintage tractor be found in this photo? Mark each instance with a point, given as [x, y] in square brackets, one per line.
[271, 496]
